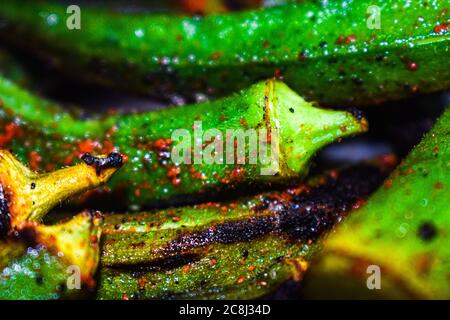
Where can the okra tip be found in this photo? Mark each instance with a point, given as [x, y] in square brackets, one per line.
[76, 242]
[28, 196]
[303, 128]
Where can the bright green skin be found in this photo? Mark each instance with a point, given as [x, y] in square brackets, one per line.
[37, 275]
[58, 138]
[386, 232]
[219, 54]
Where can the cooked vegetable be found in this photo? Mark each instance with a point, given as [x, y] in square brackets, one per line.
[236, 250]
[287, 132]
[28, 196]
[37, 261]
[404, 230]
[50, 262]
[314, 46]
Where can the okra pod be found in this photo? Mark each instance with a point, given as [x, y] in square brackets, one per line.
[50, 262]
[28, 196]
[266, 133]
[234, 250]
[367, 50]
[399, 242]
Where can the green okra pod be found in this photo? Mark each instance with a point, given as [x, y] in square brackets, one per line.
[367, 51]
[50, 262]
[266, 133]
[401, 236]
[28, 196]
[235, 250]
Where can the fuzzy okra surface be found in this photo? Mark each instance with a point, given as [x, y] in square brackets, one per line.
[366, 50]
[288, 129]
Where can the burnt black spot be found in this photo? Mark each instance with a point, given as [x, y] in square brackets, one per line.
[60, 288]
[357, 113]
[291, 110]
[332, 60]
[5, 217]
[427, 231]
[135, 296]
[39, 279]
[169, 263]
[28, 235]
[358, 81]
[306, 217]
[323, 44]
[33, 186]
[113, 160]
[379, 57]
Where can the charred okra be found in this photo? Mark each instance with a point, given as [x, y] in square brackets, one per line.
[237, 250]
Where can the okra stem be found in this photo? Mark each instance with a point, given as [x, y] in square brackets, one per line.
[367, 51]
[28, 196]
[232, 132]
[38, 261]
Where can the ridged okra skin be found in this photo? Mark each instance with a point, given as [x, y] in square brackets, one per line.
[42, 134]
[403, 230]
[235, 250]
[333, 52]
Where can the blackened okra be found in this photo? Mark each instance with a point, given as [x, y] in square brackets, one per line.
[235, 250]
[293, 130]
[333, 52]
